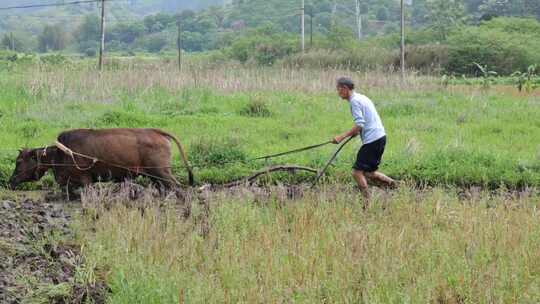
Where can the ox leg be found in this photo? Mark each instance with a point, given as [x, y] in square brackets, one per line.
[163, 179]
[67, 187]
[69, 191]
[71, 186]
[85, 181]
[63, 182]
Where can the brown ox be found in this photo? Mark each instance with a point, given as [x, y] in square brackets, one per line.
[118, 154]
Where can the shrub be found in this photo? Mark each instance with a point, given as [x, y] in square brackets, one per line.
[55, 59]
[340, 37]
[215, 152]
[121, 119]
[363, 58]
[268, 53]
[83, 46]
[514, 25]
[153, 43]
[90, 52]
[8, 55]
[256, 108]
[29, 128]
[7, 164]
[426, 58]
[497, 43]
[264, 46]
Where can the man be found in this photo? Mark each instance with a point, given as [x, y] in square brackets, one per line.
[368, 124]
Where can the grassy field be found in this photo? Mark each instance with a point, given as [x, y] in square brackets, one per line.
[424, 246]
[460, 135]
[463, 228]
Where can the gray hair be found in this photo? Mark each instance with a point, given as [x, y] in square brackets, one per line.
[346, 82]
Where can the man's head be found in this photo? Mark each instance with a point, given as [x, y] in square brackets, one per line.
[345, 87]
[27, 168]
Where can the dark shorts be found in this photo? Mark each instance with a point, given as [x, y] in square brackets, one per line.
[370, 155]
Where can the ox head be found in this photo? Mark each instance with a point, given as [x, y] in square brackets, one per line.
[28, 167]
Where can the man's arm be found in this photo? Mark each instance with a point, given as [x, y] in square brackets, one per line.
[359, 122]
[352, 132]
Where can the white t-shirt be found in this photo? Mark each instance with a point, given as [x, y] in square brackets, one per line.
[366, 117]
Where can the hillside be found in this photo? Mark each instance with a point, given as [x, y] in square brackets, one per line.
[378, 16]
[265, 31]
[32, 20]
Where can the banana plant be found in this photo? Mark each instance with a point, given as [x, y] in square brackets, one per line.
[487, 76]
[526, 80]
[447, 80]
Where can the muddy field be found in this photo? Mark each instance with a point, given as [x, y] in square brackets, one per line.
[39, 258]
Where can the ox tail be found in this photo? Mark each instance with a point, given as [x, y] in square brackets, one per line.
[183, 155]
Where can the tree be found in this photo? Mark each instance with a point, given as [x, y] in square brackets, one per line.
[158, 22]
[193, 41]
[87, 34]
[472, 6]
[153, 43]
[186, 19]
[445, 15]
[218, 14]
[264, 45]
[53, 37]
[519, 8]
[503, 44]
[13, 42]
[127, 32]
[495, 8]
[340, 36]
[382, 13]
[419, 12]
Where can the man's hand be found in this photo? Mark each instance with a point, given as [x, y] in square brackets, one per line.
[353, 132]
[338, 139]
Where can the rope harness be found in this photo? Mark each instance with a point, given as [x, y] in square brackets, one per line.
[71, 153]
[95, 160]
[137, 170]
[39, 163]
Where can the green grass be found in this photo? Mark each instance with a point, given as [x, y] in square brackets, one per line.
[425, 247]
[460, 135]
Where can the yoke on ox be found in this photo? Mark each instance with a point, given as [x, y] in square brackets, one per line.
[85, 156]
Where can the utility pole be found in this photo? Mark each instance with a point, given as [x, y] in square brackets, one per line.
[358, 20]
[334, 11]
[12, 40]
[402, 40]
[311, 27]
[303, 25]
[102, 46]
[179, 45]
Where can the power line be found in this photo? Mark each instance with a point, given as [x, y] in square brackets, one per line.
[102, 46]
[52, 4]
[75, 17]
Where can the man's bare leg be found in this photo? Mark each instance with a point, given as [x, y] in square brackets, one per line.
[381, 178]
[361, 180]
